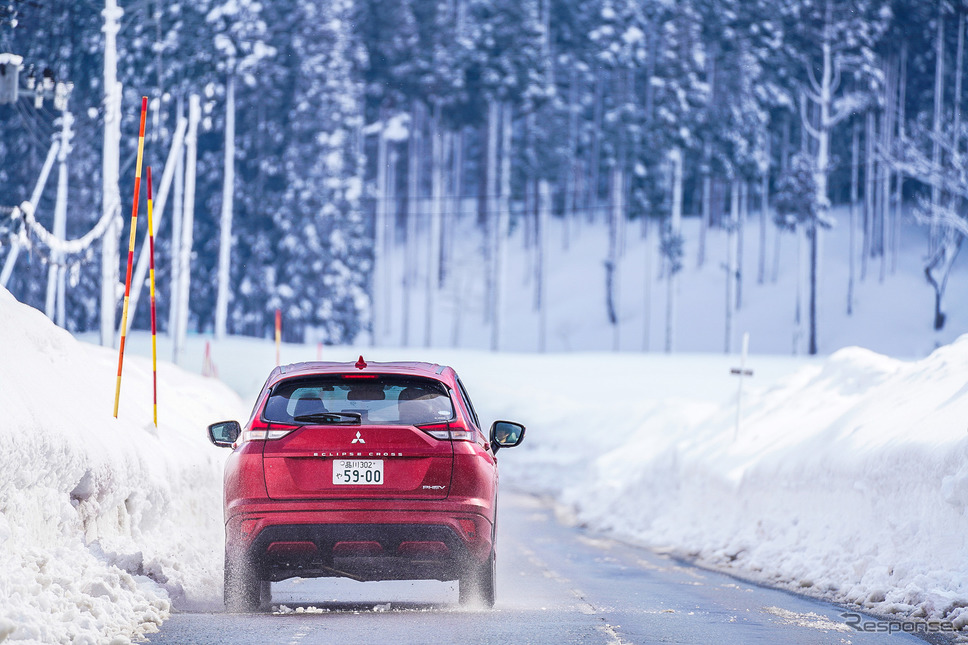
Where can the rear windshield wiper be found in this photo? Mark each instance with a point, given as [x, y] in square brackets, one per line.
[352, 418]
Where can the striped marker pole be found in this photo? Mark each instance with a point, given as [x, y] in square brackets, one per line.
[134, 223]
[278, 334]
[154, 318]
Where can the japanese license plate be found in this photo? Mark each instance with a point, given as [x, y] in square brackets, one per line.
[358, 471]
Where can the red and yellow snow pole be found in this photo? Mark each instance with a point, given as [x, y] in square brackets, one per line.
[134, 222]
[154, 318]
[278, 333]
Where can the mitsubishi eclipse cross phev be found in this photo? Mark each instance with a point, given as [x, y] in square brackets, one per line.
[376, 471]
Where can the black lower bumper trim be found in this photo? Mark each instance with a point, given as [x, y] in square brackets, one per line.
[388, 564]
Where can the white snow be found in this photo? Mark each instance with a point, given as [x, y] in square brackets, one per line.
[103, 522]
[848, 478]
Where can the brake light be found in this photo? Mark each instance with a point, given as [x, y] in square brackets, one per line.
[261, 431]
[448, 432]
[358, 376]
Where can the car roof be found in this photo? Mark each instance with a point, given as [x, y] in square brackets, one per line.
[435, 371]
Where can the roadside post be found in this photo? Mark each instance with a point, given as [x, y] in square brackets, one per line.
[741, 372]
[278, 334]
[154, 318]
[134, 228]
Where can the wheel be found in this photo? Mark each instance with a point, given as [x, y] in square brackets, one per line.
[243, 588]
[477, 585]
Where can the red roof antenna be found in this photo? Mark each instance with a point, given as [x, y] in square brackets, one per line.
[360, 364]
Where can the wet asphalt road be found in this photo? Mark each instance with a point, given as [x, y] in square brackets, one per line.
[556, 585]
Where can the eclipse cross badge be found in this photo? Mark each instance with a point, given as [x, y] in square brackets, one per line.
[359, 439]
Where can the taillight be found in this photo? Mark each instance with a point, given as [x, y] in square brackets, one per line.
[260, 431]
[448, 432]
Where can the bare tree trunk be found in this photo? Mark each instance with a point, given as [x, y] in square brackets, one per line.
[591, 195]
[389, 238]
[707, 194]
[887, 138]
[798, 313]
[503, 227]
[675, 227]
[413, 198]
[448, 213]
[784, 166]
[814, 235]
[731, 261]
[611, 263]
[436, 224]
[544, 216]
[852, 226]
[942, 261]
[225, 233]
[936, 143]
[740, 235]
[490, 208]
[571, 163]
[706, 169]
[956, 152]
[764, 211]
[899, 184]
[648, 247]
[380, 258]
[867, 245]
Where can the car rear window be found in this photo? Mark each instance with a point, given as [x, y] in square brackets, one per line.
[391, 400]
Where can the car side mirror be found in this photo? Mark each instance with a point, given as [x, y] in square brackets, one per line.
[224, 433]
[506, 434]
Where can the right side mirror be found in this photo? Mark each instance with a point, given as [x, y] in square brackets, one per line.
[506, 434]
[224, 433]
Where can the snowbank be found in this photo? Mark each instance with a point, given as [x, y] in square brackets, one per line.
[848, 479]
[104, 522]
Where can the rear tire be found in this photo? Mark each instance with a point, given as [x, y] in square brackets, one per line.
[243, 588]
[477, 586]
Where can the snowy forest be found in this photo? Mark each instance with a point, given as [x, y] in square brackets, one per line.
[326, 137]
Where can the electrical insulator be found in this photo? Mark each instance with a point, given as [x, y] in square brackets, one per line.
[9, 77]
[62, 92]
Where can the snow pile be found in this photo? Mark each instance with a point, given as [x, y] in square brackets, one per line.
[848, 479]
[104, 522]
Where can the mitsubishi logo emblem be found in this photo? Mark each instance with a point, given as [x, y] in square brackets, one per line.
[359, 439]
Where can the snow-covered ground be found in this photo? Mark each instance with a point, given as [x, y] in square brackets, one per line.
[893, 315]
[847, 477]
[104, 522]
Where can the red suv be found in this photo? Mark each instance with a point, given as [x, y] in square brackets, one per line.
[376, 471]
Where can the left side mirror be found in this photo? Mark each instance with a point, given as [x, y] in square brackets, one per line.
[224, 433]
[506, 434]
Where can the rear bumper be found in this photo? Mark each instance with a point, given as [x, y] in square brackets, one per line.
[368, 544]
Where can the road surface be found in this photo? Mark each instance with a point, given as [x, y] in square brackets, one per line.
[556, 585]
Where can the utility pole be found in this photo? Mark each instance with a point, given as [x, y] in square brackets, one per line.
[225, 241]
[34, 199]
[184, 270]
[110, 171]
[56, 283]
[176, 236]
[171, 166]
[45, 88]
